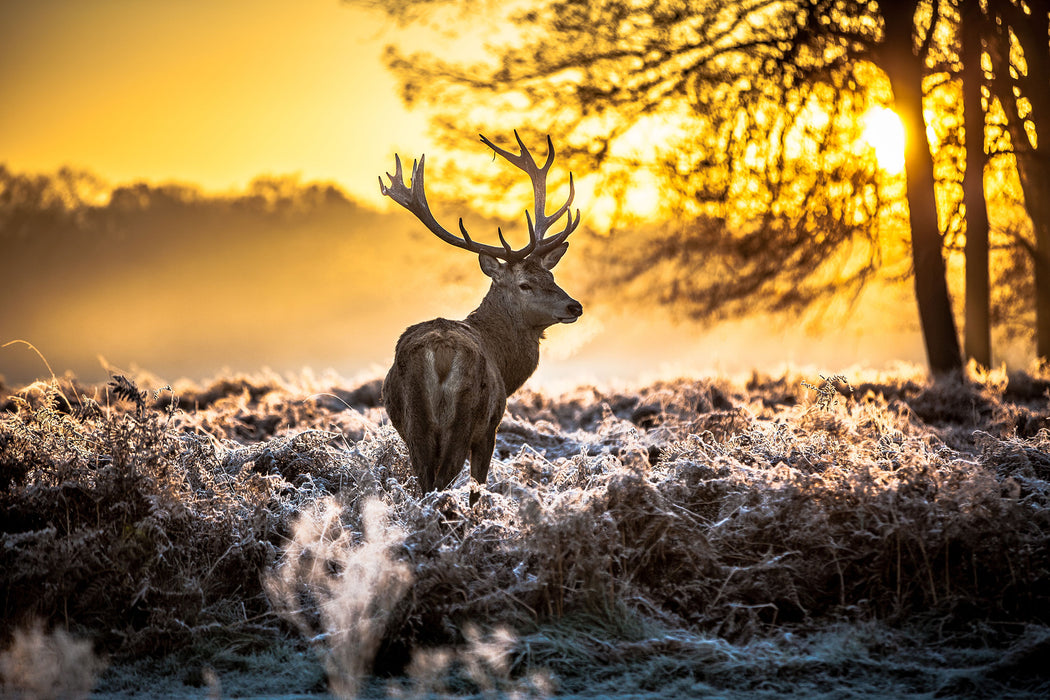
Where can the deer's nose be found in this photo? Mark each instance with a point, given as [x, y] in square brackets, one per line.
[575, 308]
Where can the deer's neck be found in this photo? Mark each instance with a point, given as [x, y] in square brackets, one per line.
[514, 347]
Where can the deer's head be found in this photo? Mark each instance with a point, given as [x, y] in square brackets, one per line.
[526, 289]
[522, 283]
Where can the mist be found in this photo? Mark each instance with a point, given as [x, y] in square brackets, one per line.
[288, 276]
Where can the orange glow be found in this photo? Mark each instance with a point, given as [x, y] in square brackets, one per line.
[884, 132]
[216, 94]
[210, 93]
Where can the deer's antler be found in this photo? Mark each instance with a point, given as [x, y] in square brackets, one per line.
[414, 199]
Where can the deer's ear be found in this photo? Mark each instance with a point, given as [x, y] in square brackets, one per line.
[490, 265]
[551, 259]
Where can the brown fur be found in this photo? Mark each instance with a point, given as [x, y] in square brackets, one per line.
[447, 389]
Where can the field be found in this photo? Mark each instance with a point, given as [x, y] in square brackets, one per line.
[873, 535]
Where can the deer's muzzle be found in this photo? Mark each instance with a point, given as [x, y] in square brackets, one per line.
[573, 310]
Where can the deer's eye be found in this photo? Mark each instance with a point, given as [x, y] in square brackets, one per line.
[525, 287]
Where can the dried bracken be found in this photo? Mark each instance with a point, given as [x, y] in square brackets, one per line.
[673, 532]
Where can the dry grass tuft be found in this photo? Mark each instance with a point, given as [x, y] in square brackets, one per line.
[43, 666]
[339, 592]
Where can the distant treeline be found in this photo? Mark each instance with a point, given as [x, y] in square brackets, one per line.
[74, 211]
[281, 274]
[70, 190]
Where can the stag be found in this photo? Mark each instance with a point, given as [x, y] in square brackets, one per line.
[447, 389]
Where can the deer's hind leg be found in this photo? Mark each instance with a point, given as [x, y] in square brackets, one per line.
[452, 453]
[423, 449]
[481, 457]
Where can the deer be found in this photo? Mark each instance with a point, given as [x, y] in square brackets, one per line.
[447, 389]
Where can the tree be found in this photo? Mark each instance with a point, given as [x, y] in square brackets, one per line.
[766, 94]
[1020, 51]
[903, 60]
[978, 341]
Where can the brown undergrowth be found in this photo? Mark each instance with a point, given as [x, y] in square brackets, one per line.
[680, 521]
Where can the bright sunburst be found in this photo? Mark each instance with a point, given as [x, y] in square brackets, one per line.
[884, 132]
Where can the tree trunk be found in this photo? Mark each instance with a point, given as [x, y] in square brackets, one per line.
[905, 72]
[1033, 161]
[978, 341]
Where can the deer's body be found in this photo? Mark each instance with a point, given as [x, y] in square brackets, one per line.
[447, 389]
[444, 398]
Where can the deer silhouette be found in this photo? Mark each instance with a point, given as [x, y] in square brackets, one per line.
[447, 389]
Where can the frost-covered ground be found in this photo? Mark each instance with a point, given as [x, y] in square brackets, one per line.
[870, 536]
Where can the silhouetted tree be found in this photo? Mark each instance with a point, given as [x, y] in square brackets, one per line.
[978, 340]
[766, 93]
[902, 54]
[1019, 35]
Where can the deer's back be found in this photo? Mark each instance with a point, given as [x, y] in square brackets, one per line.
[442, 388]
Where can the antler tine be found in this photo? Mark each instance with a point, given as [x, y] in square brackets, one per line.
[538, 243]
[544, 244]
[550, 151]
[414, 199]
[383, 189]
[549, 244]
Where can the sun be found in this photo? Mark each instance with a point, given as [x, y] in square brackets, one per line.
[884, 131]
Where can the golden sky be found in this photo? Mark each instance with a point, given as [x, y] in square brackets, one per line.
[198, 91]
[215, 93]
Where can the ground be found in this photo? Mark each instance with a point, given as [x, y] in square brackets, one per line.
[867, 535]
